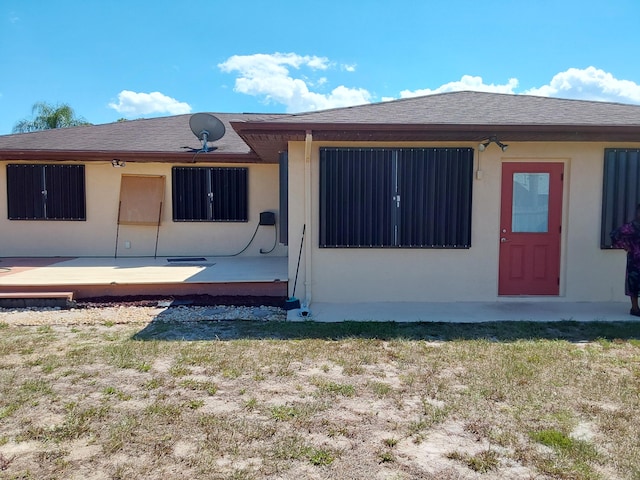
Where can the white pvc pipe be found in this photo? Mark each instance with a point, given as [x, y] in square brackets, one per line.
[307, 217]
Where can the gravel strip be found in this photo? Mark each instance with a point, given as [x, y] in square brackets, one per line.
[133, 314]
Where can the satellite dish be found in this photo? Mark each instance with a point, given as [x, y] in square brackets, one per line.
[207, 128]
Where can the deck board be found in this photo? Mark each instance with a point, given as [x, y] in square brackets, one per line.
[125, 276]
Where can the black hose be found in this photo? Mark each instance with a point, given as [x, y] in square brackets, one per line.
[275, 242]
[150, 256]
[295, 283]
[247, 246]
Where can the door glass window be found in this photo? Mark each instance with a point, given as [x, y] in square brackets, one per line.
[530, 203]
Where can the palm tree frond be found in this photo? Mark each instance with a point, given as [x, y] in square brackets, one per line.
[47, 116]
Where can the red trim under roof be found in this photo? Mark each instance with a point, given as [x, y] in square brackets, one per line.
[128, 156]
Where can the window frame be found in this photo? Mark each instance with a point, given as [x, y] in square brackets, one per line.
[195, 190]
[46, 192]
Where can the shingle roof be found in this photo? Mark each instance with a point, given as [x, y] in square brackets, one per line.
[164, 136]
[455, 116]
[478, 108]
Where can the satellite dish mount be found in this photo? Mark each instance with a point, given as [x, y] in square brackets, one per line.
[207, 128]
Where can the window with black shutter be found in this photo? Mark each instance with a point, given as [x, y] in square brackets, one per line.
[403, 197]
[210, 194]
[620, 190]
[46, 192]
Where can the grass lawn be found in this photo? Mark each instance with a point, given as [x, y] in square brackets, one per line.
[258, 400]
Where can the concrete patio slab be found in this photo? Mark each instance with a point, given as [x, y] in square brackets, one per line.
[146, 270]
[538, 310]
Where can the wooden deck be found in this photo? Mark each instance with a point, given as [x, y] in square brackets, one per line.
[129, 276]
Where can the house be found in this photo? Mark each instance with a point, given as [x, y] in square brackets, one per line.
[454, 197]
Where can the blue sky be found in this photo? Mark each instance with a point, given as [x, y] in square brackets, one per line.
[139, 58]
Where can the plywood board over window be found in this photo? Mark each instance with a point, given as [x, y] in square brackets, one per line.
[141, 199]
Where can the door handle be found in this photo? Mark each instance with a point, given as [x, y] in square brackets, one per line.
[503, 240]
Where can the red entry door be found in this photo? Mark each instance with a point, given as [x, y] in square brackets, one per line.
[530, 228]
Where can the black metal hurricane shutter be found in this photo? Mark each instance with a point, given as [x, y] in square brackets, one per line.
[229, 188]
[190, 198]
[620, 190]
[25, 184]
[408, 198]
[356, 197]
[65, 198]
[435, 193]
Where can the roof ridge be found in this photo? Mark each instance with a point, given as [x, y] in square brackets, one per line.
[457, 92]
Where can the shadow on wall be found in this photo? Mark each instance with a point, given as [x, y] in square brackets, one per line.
[164, 328]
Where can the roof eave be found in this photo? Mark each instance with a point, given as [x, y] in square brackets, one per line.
[297, 129]
[268, 138]
[129, 156]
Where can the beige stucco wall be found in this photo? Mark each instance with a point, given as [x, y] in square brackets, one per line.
[96, 236]
[399, 275]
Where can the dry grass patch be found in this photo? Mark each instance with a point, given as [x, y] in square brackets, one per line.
[318, 401]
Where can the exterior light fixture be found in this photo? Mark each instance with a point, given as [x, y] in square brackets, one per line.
[493, 139]
[117, 163]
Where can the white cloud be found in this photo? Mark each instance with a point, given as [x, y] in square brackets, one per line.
[467, 82]
[270, 76]
[134, 103]
[295, 81]
[319, 63]
[271, 64]
[584, 84]
[589, 84]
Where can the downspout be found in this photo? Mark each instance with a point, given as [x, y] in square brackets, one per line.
[307, 217]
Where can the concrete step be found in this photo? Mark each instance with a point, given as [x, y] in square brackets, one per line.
[36, 299]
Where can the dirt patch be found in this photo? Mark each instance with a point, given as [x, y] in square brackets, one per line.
[199, 398]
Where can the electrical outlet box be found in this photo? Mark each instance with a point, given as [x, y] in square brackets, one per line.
[267, 218]
[127, 244]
